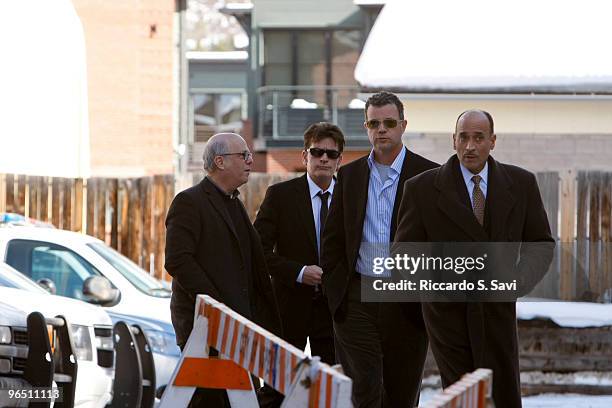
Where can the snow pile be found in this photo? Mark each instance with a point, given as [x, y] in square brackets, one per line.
[567, 314]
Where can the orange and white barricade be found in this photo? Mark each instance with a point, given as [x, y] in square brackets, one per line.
[473, 390]
[245, 347]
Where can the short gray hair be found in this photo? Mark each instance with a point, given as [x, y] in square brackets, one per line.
[215, 146]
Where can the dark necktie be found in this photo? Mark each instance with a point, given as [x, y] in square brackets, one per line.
[478, 200]
[322, 215]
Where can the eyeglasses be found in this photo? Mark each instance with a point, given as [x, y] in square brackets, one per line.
[245, 155]
[375, 123]
[332, 154]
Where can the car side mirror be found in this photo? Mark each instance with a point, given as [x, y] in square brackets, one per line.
[48, 285]
[98, 290]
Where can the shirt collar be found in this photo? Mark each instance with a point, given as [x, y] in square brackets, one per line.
[467, 175]
[233, 195]
[314, 189]
[396, 166]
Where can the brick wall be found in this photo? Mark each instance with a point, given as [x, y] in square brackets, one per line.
[130, 81]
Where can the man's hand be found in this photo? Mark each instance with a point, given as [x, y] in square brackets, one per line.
[312, 275]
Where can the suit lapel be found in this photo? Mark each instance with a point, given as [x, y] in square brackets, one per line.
[362, 178]
[450, 203]
[218, 205]
[409, 169]
[303, 203]
[500, 200]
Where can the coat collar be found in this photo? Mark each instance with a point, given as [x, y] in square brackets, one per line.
[499, 201]
[211, 191]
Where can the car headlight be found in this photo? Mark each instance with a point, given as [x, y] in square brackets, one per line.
[162, 343]
[5, 335]
[82, 342]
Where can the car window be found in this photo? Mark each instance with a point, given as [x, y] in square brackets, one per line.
[38, 260]
[132, 272]
[10, 278]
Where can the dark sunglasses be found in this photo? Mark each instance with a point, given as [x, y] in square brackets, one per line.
[316, 152]
[375, 123]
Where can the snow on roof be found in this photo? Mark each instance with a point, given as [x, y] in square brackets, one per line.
[489, 45]
[567, 314]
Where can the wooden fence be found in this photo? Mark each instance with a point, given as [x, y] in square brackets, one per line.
[128, 214]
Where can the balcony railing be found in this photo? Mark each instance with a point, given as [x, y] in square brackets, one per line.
[286, 111]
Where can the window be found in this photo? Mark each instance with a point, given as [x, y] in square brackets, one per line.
[38, 260]
[215, 112]
[132, 272]
[310, 57]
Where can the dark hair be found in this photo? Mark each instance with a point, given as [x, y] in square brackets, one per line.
[487, 115]
[385, 98]
[322, 130]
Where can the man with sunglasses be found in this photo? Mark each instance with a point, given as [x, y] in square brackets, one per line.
[290, 221]
[374, 343]
[212, 249]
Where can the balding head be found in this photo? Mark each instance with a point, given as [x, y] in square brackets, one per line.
[217, 145]
[474, 139]
[476, 112]
[227, 160]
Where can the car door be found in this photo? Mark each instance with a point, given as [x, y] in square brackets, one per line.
[44, 260]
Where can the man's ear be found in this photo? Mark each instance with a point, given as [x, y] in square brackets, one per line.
[454, 141]
[493, 139]
[304, 157]
[219, 162]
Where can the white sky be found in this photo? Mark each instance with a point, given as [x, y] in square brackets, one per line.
[44, 127]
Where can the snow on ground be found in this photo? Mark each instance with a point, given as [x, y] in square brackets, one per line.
[548, 400]
[568, 401]
[566, 314]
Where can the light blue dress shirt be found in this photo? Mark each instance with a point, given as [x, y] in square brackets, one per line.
[379, 210]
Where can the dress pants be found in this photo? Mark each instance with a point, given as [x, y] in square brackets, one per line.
[467, 336]
[358, 348]
[319, 331]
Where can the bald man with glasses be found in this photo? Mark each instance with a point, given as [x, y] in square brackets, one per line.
[212, 249]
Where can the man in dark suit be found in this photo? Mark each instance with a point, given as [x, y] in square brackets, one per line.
[473, 198]
[289, 222]
[363, 212]
[212, 248]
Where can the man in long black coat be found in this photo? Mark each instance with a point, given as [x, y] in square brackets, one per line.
[212, 248]
[473, 198]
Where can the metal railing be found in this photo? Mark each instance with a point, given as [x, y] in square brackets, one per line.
[286, 111]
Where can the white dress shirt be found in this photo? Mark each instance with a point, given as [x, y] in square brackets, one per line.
[316, 210]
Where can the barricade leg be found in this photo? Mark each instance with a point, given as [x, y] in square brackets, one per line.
[195, 368]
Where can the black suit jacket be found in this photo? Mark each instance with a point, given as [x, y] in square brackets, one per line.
[344, 225]
[203, 255]
[286, 226]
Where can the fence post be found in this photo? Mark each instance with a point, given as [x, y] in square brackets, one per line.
[568, 215]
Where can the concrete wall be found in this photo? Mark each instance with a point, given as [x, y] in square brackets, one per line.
[539, 133]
